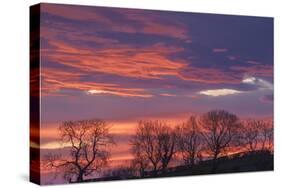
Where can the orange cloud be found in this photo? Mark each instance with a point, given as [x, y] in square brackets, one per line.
[54, 80]
[209, 75]
[142, 62]
[146, 62]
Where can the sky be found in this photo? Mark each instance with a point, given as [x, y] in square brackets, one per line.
[126, 65]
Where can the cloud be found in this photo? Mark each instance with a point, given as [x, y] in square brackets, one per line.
[129, 20]
[249, 80]
[209, 75]
[220, 50]
[168, 95]
[136, 62]
[253, 62]
[56, 80]
[123, 60]
[220, 92]
[79, 13]
[260, 83]
[123, 93]
[88, 52]
[267, 98]
[155, 24]
[254, 70]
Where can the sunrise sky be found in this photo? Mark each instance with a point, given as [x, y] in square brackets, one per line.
[125, 65]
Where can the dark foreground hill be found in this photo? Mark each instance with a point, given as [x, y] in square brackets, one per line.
[242, 162]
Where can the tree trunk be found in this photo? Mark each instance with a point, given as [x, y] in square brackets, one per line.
[215, 163]
[80, 177]
[154, 170]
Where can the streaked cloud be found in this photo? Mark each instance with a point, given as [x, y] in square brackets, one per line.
[146, 62]
[209, 75]
[168, 95]
[253, 62]
[220, 50]
[55, 80]
[130, 20]
[255, 70]
[124, 93]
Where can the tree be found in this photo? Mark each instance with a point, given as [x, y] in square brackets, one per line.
[140, 162]
[189, 141]
[266, 135]
[167, 145]
[89, 142]
[250, 134]
[219, 131]
[155, 142]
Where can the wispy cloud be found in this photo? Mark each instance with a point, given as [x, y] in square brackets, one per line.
[255, 70]
[136, 62]
[168, 95]
[146, 62]
[260, 83]
[130, 20]
[89, 51]
[220, 50]
[209, 75]
[55, 80]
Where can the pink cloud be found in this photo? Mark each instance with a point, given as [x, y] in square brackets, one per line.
[146, 23]
[255, 70]
[220, 50]
[54, 80]
[253, 62]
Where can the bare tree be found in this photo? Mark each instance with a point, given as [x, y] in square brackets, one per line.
[145, 142]
[88, 142]
[250, 134]
[155, 142]
[167, 145]
[140, 162]
[266, 135]
[219, 131]
[189, 141]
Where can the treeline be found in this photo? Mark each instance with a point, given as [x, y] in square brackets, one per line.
[156, 144]
[212, 135]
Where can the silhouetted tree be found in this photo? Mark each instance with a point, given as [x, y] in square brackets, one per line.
[167, 145]
[219, 129]
[89, 142]
[155, 142]
[266, 135]
[140, 162]
[250, 134]
[189, 141]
